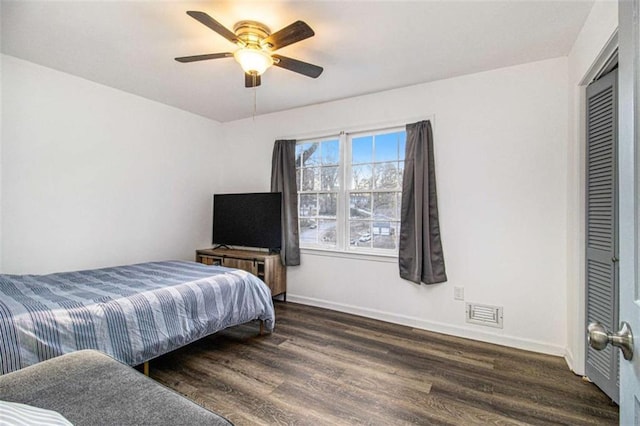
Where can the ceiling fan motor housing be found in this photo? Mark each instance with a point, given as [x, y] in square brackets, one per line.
[251, 33]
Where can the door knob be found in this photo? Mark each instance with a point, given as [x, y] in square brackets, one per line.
[599, 337]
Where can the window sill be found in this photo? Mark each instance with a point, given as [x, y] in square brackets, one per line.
[372, 257]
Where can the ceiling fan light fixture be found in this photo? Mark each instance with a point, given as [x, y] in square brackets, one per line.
[253, 60]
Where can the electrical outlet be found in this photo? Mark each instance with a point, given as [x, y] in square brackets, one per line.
[458, 293]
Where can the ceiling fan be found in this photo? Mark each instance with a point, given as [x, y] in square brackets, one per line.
[255, 46]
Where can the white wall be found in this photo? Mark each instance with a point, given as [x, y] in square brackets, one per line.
[586, 53]
[501, 154]
[93, 176]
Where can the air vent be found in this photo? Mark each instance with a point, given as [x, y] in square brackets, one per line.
[490, 316]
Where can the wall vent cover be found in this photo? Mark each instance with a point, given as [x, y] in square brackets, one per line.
[490, 316]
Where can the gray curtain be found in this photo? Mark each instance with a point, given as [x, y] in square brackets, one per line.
[283, 179]
[420, 256]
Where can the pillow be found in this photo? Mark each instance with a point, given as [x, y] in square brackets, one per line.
[15, 414]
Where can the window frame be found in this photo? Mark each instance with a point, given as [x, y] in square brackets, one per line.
[342, 246]
[318, 246]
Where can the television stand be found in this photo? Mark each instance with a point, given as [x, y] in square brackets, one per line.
[264, 265]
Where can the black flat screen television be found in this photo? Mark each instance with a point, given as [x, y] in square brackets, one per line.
[248, 220]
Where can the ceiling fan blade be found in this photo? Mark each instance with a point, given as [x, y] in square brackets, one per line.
[194, 58]
[251, 80]
[295, 65]
[216, 26]
[288, 35]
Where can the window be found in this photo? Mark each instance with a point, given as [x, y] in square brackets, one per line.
[318, 181]
[350, 189]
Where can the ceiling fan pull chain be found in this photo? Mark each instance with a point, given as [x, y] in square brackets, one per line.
[255, 102]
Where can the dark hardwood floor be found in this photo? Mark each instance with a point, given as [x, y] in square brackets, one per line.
[324, 367]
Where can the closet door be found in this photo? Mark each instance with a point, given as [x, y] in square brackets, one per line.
[601, 227]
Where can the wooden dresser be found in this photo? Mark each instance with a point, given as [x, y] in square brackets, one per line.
[265, 266]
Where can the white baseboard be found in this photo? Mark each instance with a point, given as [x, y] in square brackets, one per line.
[568, 357]
[453, 330]
[571, 362]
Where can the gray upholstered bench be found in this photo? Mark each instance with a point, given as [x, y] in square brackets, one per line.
[89, 388]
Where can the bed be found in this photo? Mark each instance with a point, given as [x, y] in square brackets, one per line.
[133, 313]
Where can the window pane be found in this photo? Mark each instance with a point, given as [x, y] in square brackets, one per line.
[400, 174]
[311, 154]
[310, 179]
[360, 205]
[308, 205]
[387, 147]
[362, 150]
[328, 205]
[359, 233]
[399, 205]
[386, 175]
[298, 172]
[308, 234]
[329, 181]
[385, 235]
[330, 152]
[384, 205]
[327, 232]
[361, 176]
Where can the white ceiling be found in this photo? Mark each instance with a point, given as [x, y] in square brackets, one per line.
[364, 46]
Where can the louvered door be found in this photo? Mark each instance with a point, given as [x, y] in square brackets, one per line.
[601, 230]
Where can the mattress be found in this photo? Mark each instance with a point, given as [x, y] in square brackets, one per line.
[133, 313]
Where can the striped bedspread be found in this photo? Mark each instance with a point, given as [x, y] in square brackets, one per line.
[133, 313]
